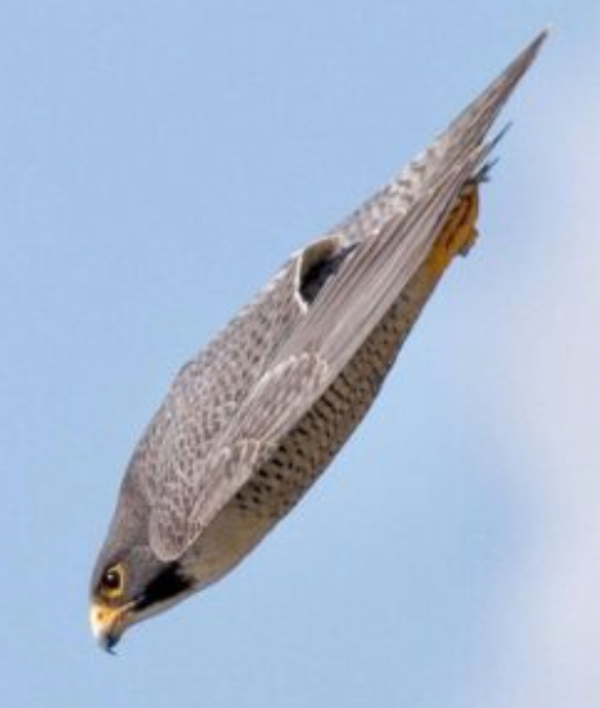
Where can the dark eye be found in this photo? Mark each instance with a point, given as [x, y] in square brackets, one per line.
[113, 581]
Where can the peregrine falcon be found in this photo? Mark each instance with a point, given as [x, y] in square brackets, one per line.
[253, 420]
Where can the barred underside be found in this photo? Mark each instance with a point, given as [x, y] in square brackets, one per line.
[311, 446]
[303, 455]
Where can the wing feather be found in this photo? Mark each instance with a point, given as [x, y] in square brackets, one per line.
[474, 121]
[313, 356]
[333, 328]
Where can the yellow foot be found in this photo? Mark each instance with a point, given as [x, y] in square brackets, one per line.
[458, 233]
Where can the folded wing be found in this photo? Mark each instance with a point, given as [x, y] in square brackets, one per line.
[331, 330]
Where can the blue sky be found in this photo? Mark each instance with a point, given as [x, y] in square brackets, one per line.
[159, 161]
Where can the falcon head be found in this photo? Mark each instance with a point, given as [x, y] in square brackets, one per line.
[129, 582]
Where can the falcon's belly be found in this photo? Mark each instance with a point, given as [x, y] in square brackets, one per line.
[313, 443]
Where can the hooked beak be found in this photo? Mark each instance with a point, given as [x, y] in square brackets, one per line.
[108, 624]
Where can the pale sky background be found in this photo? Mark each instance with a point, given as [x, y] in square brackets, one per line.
[158, 161]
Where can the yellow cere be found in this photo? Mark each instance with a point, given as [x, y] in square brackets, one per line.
[103, 619]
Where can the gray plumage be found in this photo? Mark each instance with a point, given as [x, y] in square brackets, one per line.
[253, 420]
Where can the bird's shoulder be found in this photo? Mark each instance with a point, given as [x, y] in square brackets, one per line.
[211, 387]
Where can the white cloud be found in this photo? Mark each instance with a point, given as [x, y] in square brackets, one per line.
[548, 612]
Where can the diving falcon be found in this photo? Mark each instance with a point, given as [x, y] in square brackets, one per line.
[253, 420]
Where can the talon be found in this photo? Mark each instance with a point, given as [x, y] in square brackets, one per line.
[468, 245]
[458, 234]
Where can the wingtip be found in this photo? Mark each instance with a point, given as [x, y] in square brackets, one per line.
[544, 33]
[538, 41]
[520, 65]
[528, 55]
